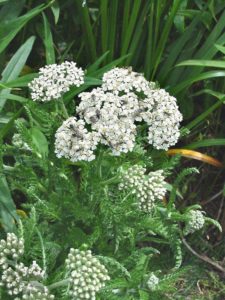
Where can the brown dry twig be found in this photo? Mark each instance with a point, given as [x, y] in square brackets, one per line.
[203, 257]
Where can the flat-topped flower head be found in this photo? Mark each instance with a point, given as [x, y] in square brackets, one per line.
[73, 141]
[161, 113]
[87, 274]
[99, 104]
[55, 80]
[113, 112]
[125, 80]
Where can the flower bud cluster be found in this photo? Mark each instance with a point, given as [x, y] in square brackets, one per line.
[196, 221]
[147, 188]
[11, 248]
[54, 80]
[152, 282]
[18, 142]
[87, 274]
[20, 280]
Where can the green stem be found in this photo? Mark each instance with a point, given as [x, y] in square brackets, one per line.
[65, 112]
[60, 283]
[43, 250]
[114, 179]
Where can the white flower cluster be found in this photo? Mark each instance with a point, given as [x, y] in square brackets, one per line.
[156, 107]
[111, 116]
[113, 111]
[161, 113]
[87, 274]
[73, 141]
[196, 221]
[125, 80]
[12, 247]
[152, 282]
[19, 279]
[147, 188]
[18, 142]
[54, 80]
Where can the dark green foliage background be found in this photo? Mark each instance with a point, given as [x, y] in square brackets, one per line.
[181, 45]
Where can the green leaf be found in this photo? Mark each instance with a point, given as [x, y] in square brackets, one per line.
[9, 30]
[203, 63]
[206, 143]
[40, 141]
[11, 10]
[14, 67]
[56, 11]
[48, 42]
[93, 67]
[7, 206]
[185, 84]
[21, 81]
[214, 222]
[220, 48]
[143, 295]
[204, 115]
[4, 130]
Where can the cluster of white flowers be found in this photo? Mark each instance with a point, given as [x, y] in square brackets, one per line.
[112, 113]
[87, 274]
[161, 113]
[152, 282]
[19, 279]
[54, 80]
[195, 222]
[147, 188]
[126, 80]
[74, 142]
[12, 247]
[18, 142]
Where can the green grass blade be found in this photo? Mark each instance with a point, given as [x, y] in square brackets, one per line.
[148, 57]
[93, 67]
[164, 36]
[21, 81]
[138, 34]
[220, 48]
[9, 30]
[205, 114]
[202, 63]
[7, 206]
[112, 28]
[5, 129]
[176, 49]
[104, 24]
[48, 42]
[89, 37]
[125, 20]
[14, 67]
[185, 84]
[131, 27]
[206, 143]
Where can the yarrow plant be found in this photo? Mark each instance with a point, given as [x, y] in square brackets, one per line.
[195, 222]
[85, 274]
[108, 194]
[109, 114]
[148, 188]
[55, 80]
